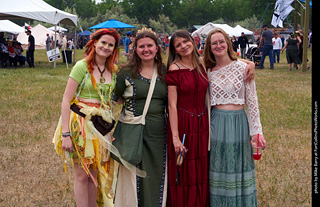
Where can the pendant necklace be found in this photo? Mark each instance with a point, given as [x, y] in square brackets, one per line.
[102, 79]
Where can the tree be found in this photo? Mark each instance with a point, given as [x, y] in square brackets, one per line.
[163, 25]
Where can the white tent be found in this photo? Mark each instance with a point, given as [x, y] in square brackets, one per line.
[238, 29]
[204, 30]
[35, 10]
[39, 33]
[9, 26]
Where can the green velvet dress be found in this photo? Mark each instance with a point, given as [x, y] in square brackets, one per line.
[150, 190]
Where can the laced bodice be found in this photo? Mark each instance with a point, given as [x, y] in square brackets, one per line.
[227, 86]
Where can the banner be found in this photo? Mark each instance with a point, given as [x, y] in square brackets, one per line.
[52, 56]
[281, 10]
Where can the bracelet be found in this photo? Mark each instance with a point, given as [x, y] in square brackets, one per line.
[66, 134]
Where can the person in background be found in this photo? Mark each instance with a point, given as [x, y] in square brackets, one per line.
[12, 55]
[243, 42]
[30, 49]
[267, 49]
[277, 45]
[20, 58]
[64, 42]
[234, 43]
[292, 46]
[231, 169]
[48, 42]
[126, 43]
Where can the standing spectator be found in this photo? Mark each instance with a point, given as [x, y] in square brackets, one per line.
[243, 42]
[292, 45]
[234, 43]
[166, 44]
[277, 45]
[48, 42]
[267, 46]
[127, 42]
[64, 43]
[30, 49]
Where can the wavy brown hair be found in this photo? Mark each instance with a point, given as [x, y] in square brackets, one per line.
[90, 52]
[135, 64]
[175, 57]
[209, 59]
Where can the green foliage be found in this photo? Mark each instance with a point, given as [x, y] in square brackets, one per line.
[163, 25]
[182, 13]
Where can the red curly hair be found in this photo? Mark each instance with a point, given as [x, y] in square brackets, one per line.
[90, 52]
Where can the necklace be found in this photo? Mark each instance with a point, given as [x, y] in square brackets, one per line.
[186, 66]
[102, 79]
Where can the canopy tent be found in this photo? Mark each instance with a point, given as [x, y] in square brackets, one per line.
[9, 26]
[84, 33]
[58, 29]
[238, 30]
[40, 35]
[36, 10]
[204, 30]
[112, 23]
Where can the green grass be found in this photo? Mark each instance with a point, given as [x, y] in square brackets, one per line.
[32, 174]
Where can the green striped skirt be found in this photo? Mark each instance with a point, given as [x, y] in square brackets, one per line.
[232, 172]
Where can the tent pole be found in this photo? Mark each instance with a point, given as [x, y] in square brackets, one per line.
[75, 45]
[55, 40]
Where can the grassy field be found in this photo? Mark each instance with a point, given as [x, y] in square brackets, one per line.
[32, 174]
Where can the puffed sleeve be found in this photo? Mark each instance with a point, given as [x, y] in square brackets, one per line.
[120, 85]
[78, 71]
[172, 78]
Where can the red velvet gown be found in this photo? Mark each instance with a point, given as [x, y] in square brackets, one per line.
[193, 188]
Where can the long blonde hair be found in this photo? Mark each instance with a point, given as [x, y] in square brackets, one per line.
[209, 59]
[175, 57]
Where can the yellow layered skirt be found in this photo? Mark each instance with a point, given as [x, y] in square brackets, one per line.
[89, 149]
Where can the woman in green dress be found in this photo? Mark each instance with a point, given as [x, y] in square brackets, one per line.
[132, 87]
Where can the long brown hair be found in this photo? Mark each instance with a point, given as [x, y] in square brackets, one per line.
[174, 56]
[90, 51]
[209, 59]
[135, 64]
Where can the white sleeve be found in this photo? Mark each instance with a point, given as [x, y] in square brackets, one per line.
[253, 109]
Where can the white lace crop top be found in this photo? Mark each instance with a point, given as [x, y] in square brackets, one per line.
[227, 86]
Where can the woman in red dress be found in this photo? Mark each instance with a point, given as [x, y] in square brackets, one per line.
[188, 115]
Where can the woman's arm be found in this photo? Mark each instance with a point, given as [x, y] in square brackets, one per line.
[173, 118]
[71, 88]
[249, 72]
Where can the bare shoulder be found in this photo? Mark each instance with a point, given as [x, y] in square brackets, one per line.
[173, 67]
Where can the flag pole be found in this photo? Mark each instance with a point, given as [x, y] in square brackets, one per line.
[305, 36]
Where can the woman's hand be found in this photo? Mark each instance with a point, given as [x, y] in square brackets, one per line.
[249, 72]
[262, 141]
[67, 144]
[178, 146]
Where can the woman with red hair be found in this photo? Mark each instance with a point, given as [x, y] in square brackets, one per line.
[76, 139]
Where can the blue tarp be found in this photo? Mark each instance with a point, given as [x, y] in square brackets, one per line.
[112, 23]
[85, 33]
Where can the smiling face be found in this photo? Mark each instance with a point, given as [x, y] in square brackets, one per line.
[183, 46]
[146, 49]
[105, 46]
[219, 46]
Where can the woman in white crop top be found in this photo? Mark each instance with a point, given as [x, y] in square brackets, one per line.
[232, 170]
